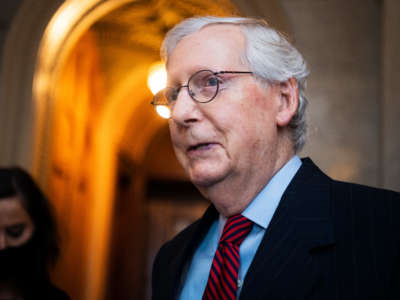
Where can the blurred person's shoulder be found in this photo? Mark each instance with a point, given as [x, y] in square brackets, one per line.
[55, 293]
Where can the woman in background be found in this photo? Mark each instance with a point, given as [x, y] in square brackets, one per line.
[28, 239]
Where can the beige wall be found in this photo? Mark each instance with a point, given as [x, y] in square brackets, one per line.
[352, 132]
[390, 93]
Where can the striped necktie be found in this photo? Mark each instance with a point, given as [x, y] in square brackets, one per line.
[222, 281]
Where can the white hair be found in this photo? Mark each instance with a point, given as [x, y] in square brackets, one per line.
[269, 55]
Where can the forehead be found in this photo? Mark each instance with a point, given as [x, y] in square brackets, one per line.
[12, 211]
[215, 47]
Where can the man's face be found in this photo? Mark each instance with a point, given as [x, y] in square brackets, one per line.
[236, 134]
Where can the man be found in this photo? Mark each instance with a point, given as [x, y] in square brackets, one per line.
[277, 227]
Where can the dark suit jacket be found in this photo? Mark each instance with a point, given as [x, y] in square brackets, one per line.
[326, 240]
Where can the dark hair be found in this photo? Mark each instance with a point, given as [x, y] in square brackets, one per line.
[15, 181]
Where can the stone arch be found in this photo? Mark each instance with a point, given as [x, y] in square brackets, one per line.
[39, 42]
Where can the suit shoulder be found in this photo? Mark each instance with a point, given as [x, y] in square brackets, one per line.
[356, 191]
[360, 204]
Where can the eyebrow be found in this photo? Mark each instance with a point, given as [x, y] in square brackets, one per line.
[190, 72]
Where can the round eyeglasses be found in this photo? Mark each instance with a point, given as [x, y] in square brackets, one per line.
[203, 86]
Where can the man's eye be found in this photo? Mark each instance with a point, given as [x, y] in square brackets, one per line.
[212, 81]
[15, 231]
[206, 81]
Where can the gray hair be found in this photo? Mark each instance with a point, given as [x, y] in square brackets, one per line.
[269, 55]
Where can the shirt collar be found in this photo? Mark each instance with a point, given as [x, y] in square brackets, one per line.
[263, 207]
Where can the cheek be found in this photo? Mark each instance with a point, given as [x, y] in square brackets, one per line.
[176, 144]
[173, 134]
[254, 129]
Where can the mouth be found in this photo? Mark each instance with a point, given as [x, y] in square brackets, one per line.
[200, 147]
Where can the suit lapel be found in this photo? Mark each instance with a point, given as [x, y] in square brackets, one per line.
[187, 245]
[300, 228]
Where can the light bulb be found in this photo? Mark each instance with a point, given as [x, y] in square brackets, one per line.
[157, 78]
[163, 111]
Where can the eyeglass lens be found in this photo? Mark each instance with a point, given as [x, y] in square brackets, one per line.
[202, 87]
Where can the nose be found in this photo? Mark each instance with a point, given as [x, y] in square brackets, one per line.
[185, 110]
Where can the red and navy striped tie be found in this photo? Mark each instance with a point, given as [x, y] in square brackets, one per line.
[222, 281]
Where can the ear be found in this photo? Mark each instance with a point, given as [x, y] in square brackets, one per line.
[289, 101]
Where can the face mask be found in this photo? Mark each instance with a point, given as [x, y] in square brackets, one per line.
[19, 265]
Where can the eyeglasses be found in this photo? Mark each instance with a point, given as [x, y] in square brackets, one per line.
[203, 87]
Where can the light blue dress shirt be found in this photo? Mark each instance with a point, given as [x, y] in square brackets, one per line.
[260, 211]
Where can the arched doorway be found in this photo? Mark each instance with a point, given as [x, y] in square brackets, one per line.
[95, 92]
[93, 124]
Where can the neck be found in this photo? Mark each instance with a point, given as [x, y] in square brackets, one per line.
[232, 195]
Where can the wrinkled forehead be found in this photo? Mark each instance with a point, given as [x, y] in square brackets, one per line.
[215, 30]
[214, 47]
[221, 30]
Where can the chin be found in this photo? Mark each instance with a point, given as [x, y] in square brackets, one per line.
[205, 178]
[203, 182]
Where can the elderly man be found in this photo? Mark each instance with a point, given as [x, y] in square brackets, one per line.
[277, 227]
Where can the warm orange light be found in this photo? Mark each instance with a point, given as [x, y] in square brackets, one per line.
[163, 111]
[156, 81]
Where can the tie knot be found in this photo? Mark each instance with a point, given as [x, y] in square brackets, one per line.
[236, 229]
